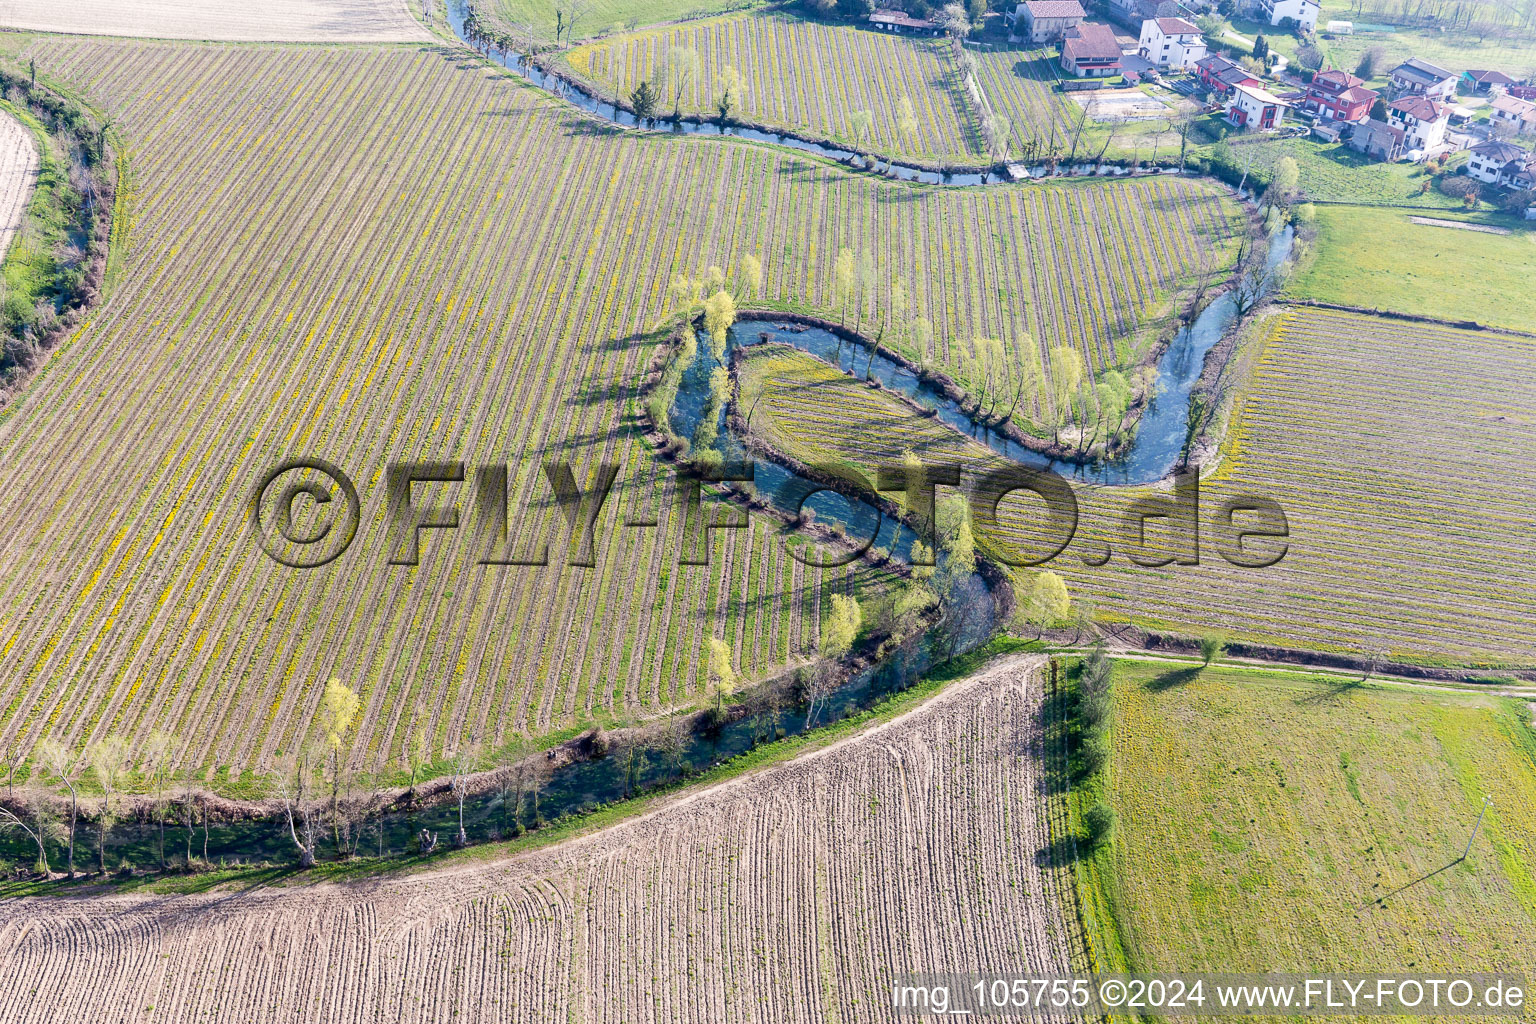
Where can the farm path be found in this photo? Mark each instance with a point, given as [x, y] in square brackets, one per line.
[274, 21]
[18, 176]
[795, 894]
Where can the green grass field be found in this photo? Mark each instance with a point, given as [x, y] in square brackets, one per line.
[1260, 814]
[1381, 259]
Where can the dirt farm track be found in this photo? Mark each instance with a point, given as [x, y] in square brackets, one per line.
[18, 174]
[281, 21]
[771, 898]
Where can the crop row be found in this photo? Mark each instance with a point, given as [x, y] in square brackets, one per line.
[793, 896]
[374, 256]
[1393, 448]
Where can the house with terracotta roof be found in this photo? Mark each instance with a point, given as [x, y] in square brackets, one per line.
[1378, 140]
[1415, 77]
[1171, 43]
[1046, 21]
[1422, 122]
[1517, 114]
[1338, 96]
[902, 23]
[1251, 107]
[1090, 50]
[1482, 82]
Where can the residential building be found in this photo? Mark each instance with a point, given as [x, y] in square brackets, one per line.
[1338, 96]
[902, 23]
[1251, 107]
[1521, 174]
[1415, 77]
[1090, 50]
[1489, 161]
[1046, 21]
[1171, 43]
[1517, 114]
[1422, 122]
[1377, 139]
[1221, 75]
[1302, 12]
[1480, 83]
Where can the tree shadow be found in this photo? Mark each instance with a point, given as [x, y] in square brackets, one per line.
[1171, 679]
[1059, 853]
[1331, 693]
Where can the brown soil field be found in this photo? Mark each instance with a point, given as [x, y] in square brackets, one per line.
[18, 174]
[290, 21]
[796, 894]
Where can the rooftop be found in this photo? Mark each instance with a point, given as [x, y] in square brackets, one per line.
[1054, 8]
[1358, 94]
[1500, 152]
[1335, 81]
[1422, 70]
[1262, 95]
[1090, 41]
[1419, 108]
[1176, 27]
[1484, 77]
[902, 18]
[1514, 105]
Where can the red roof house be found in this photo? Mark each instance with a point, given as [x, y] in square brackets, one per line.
[1090, 50]
[1338, 96]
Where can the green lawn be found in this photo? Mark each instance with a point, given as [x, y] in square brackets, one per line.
[1260, 814]
[1454, 51]
[606, 16]
[1379, 258]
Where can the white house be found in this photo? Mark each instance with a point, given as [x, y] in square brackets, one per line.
[1490, 161]
[1302, 12]
[1518, 114]
[1422, 122]
[1252, 107]
[1415, 77]
[1046, 21]
[1171, 43]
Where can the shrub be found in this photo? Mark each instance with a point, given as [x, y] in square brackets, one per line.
[1459, 187]
[1098, 821]
[1093, 756]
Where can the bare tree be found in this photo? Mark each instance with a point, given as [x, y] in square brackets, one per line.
[188, 795]
[15, 756]
[295, 789]
[41, 828]
[109, 758]
[569, 14]
[673, 743]
[55, 758]
[155, 761]
[463, 764]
